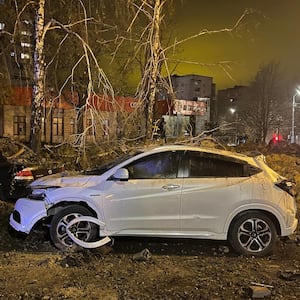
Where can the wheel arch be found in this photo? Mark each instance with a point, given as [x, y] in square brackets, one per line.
[62, 204]
[271, 216]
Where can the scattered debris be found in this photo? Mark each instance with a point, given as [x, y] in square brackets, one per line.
[143, 255]
[224, 249]
[262, 285]
[289, 275]
[259, 292]
[104, 250]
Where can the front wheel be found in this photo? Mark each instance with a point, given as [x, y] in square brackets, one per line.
[253, 234]
[85, 231]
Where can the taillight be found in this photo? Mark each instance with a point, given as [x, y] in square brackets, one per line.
[24, 174]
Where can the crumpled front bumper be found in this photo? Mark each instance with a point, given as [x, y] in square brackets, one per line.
[26, 214]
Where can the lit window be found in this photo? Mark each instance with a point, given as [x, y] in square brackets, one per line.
[57, 122]
[24, 32]
[25, 56]
[25, 44]
[2, 25]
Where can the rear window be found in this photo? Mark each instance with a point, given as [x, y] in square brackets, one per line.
[212, 165]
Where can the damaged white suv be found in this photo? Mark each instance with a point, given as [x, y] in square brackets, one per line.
[170, 191]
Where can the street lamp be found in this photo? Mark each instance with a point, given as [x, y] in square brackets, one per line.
[293, 116]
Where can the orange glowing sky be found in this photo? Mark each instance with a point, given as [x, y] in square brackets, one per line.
[272, 33]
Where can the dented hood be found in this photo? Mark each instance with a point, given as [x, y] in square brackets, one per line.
[66, 180]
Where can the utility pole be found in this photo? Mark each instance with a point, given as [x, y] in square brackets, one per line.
[294, 104]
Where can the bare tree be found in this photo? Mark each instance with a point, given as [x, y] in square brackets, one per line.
[264, 101]
[153, 55]
[77, 31]
[72, 57]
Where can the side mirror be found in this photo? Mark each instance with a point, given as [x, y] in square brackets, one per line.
[121, 174]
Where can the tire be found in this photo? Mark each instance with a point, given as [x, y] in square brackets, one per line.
[253, 234]
[85, 231]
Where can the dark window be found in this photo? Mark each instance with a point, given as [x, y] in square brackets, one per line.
[159, 165]
[205, 165]
[19, 125]
[57, 122]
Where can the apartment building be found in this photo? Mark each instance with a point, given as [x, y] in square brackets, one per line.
[194, 98]
[231, 102]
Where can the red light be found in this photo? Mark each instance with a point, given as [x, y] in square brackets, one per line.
[276, 137]
[24, 173]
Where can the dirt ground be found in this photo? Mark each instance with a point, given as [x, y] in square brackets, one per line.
[173, 269]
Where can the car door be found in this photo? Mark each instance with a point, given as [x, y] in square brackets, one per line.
[212, 186]
[149, 202]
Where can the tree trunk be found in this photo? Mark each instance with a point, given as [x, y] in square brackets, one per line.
[154, 65]
[38, 85]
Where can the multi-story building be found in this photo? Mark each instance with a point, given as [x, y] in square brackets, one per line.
[16, 50]
[231, 107]
[194, 96]
[192, 87]
[230, 102]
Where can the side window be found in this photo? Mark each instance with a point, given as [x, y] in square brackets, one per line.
[207, 166]
[159, 165]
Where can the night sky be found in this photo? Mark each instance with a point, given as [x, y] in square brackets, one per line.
[271, 33]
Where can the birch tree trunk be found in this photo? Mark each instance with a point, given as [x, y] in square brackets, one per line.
[38, 85]
[155, 49]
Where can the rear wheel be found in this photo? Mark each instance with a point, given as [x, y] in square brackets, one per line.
[85, 231]
[253, 234]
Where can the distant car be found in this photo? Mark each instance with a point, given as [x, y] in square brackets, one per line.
[171, 191]
[15, 177]
[8, 169]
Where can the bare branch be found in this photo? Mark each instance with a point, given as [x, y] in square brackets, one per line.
[206, 31]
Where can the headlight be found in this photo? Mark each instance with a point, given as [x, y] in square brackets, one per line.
[288, 187]
[37, 194]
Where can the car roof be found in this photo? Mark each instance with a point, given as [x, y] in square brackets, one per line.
[227, 153]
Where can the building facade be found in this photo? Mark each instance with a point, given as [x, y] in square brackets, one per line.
[193, 98]
[230, 102]
[101, 118]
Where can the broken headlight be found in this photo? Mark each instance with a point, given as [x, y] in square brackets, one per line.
[287, 186]
[37, 194]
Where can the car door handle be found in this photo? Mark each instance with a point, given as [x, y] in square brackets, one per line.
[170, 187]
